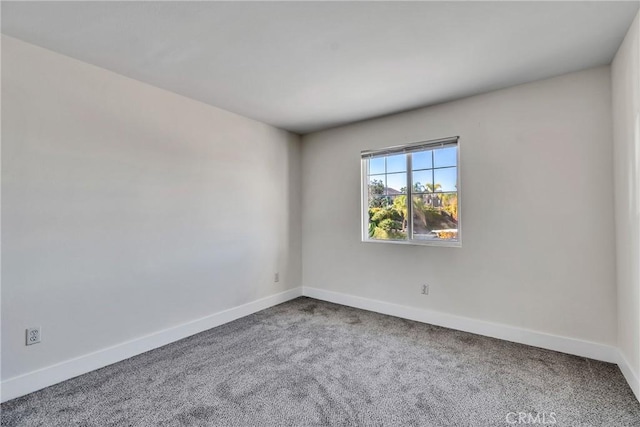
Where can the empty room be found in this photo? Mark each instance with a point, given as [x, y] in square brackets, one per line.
[320, 213]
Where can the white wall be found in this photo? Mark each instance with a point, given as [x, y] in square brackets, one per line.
[128, 209]
[625, 77]
[537, 209]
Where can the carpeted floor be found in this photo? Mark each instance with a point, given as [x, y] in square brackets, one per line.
[308, 362]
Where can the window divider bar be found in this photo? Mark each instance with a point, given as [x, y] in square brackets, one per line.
[409, 197]
[364, 199]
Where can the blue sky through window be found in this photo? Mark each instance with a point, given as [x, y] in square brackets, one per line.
[422, 160]
[446, 178]
[376, 165]
[446, 158]
[397, 181]
[397, 163]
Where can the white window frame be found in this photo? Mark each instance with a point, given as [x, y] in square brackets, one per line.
[408, 148]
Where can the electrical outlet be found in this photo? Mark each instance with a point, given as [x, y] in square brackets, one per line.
[33, 335]
[276, 277]
[425, 289]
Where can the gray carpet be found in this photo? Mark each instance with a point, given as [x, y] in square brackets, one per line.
[308, 362]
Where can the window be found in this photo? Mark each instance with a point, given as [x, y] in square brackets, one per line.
[425, 173]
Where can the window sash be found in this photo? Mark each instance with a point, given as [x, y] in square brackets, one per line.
[408, 149]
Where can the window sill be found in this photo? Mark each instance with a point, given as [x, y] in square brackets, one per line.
[441, 243]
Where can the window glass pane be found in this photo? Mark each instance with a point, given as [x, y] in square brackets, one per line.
[376, 201]
[445, 157]
[445, 179]
[376, 165]
[387, 221]
[397, 163]
[435, 217]
[450, 205]
[396, 183]
[421, 160]
[422, 181]
[376, 186]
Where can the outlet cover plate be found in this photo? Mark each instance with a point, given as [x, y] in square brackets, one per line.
[33, 335]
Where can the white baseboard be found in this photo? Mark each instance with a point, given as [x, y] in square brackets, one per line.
[574, 346]
[45, 377]
[630, 374]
